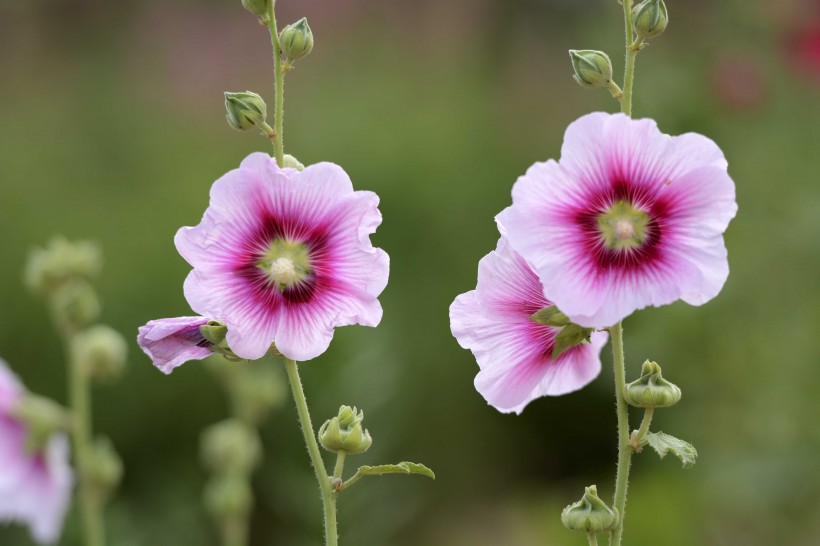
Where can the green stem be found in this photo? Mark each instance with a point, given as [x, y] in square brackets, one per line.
[644, 430]
[624, 447]
[340, 465]
[328, 497]
[279, 84]
[235, 531]
[631, 53]
[80, 402]
[593, 539]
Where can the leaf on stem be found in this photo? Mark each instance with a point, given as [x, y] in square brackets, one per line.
[400, 468]
[664, 443]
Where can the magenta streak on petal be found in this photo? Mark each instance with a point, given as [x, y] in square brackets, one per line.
[193, 335]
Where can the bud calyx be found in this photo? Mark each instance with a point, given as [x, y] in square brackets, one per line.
[651, 390]
[345, 433]
[296, 40]
[592, 69]
[649, 18]
[245, 110]
[590, 514]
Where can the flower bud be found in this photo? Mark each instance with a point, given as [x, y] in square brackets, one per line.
[246, 110]
[649, 18]
[651, 390]
[344, 433]
[257, 7]
[593, 69]
[102, 351]
[291, 162]
[42, 417]
[231, 446]
[590, 514]
[296, 40]
[104, 470]
[75, 303]
[47, 269]
[228, 496]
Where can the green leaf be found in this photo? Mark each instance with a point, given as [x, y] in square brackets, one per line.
[664, 443]
[550, 316]
[400, 468]
[569, 336]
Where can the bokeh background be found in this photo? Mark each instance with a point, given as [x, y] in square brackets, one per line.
[112, 129]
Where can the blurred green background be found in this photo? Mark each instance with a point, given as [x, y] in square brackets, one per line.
[112, 129]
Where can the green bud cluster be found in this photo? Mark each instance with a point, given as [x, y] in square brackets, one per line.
[49, 269]
[296, 40]
[228, 496]
[649, 18]
[102, 351]
[231, 447]
[590, 514]
[256, 390]
[651, 390]
[345, 433]
[43, 418]
[104, 468]
[245, 110]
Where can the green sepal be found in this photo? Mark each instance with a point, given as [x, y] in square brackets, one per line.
[664, 443]
[569, 336]
[550, 316]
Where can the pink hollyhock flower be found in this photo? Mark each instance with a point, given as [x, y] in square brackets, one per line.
[172, 342]
[35, 487]
[284, 256]
[628, 218]
[513, 352]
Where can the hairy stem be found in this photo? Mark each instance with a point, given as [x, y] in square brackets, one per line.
[631, 53]
[328, 496]
[593, 539]
[278, 137]
[624, 447]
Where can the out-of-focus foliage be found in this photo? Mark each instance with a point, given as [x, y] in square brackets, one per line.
[112, 128]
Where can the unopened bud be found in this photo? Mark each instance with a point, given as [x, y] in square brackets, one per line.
[231, 446]
[257, 7]
[47, 269]
[651, 390]
[246, 110]
[590, 514]
[104, 470]
[649, 18]
[42, 417]
[345, 433]
[228, 496]
[102, 351]
[592, 68]
[75, 303]
[296, 40]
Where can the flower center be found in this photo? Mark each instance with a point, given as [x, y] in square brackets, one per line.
[623, 226]
[285, 263]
